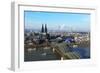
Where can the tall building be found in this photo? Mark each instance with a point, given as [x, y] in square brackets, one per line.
[42, 29]
[44, 32]
[45, 28]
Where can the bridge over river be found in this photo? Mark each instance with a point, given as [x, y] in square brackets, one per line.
[63, 51]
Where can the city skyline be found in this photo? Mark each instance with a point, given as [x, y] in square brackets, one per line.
[57, 21]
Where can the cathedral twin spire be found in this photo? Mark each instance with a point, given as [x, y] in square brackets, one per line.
[44, 30]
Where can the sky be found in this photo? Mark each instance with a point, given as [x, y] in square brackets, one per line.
[57, 21]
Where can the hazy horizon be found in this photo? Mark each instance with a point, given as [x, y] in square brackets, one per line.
[57, 21]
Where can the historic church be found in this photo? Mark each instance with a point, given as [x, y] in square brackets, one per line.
[44, 35]
[44, 30]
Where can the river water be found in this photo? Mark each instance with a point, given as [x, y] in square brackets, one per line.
[83, 52]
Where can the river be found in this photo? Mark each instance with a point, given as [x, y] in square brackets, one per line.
[83, 52]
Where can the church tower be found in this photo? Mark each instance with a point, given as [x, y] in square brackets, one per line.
[46, 28]
[42, 29]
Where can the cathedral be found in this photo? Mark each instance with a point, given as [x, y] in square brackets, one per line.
[44, 30]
